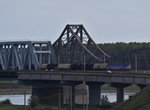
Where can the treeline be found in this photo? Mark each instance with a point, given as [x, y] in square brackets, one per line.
[128, 53]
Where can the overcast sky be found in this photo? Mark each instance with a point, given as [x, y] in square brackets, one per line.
[106, 20]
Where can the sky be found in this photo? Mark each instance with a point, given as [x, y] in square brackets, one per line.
[106, 21]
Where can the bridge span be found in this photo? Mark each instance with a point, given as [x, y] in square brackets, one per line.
[25, 60]
[94, 80]
[124, 77]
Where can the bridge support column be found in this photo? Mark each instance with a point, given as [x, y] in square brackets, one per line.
[72, 97]
[120, 91]
[120, 94]
[94, 93]
[142, 86]
[48, 95]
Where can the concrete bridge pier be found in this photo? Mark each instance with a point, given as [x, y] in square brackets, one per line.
[48, 95]
[70, 91]
[72, 97]
[120, 94]
[120, 91]
[71, 85]
[142, 86]
[94, 93]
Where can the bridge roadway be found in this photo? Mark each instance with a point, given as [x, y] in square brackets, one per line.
[94, 80]
[124, 77]
[52, 81]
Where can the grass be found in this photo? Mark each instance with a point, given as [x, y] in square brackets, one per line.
[21, 107]
[140, 101]
[65, 107]
[10, 107]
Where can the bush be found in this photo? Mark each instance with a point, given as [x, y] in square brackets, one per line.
[33, 101]
[6, 101]
[104, 101]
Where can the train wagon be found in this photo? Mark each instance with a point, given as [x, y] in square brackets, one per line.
[119, 67]
[100, 66]
[64, 66]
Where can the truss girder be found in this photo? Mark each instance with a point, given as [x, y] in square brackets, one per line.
[2, 62]
[75, 40]
[25, 55]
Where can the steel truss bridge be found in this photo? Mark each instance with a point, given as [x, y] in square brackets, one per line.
[19, 58]
[73, 46]
[25, 55]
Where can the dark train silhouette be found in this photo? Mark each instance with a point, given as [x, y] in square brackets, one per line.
[79, 66]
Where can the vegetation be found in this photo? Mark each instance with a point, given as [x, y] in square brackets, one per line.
[10, 107]
[21, 107]
[105, 102]
[33, 101]
[125, 53]
[141, 101]
[7, 101]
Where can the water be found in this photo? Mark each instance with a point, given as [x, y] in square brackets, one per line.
[15, 99]
[19, 98]
[112, 96]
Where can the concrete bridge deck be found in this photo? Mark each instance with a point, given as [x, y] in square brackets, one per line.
[52, 81]
[124, 77]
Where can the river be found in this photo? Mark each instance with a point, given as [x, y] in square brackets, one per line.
[19, 98]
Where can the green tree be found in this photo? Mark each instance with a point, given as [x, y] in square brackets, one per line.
[33, 101]
[104, 100]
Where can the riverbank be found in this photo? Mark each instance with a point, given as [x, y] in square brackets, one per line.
[143, 99]
[11, 107]
[11, 91]
[64, 107]
[8, 89]
[140, 101]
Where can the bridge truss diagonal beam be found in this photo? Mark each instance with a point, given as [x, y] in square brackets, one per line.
[25, 55]
[75, 43]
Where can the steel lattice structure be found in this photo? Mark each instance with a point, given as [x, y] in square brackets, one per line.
[73, 46]
[76, 46]
[27, 55]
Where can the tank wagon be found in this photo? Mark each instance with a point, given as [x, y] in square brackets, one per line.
[79, 66]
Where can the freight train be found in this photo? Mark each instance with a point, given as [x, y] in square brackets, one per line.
[79, 66]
